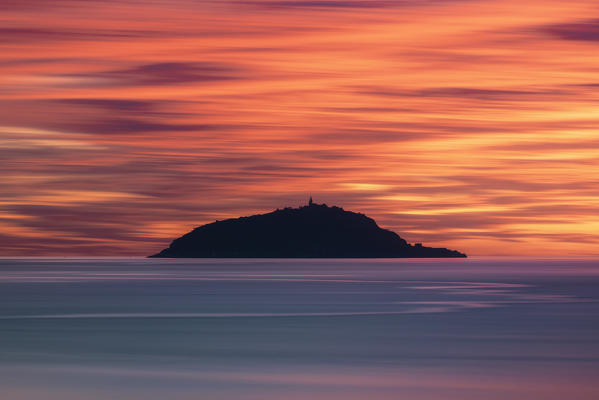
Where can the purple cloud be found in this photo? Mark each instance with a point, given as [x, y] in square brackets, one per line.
[587, 31]
[336, 4]
[163, 73]
[112, 104]
[466, 92]
[321, 4]
[169, 73]
[36, 35]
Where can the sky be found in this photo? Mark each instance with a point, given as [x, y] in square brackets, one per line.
[469, 124]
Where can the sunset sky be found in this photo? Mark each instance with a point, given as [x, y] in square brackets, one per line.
[467, 124]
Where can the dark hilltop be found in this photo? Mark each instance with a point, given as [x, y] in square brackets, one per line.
[312, 231]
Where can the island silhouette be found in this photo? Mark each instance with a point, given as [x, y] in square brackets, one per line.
[311, 231]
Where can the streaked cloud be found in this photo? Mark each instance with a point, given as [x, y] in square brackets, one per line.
[316, 4]
[36, 35]
[584, 30]
[466, 124]
[341, 4]
[171, 73]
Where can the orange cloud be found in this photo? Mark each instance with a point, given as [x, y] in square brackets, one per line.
[465, 124]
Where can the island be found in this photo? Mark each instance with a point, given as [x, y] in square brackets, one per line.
[311, 231]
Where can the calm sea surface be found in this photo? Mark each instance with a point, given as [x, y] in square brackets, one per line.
[299, 329]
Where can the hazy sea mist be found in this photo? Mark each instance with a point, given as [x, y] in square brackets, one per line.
[478, 328]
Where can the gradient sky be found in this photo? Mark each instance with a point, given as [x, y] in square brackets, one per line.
[469, 124]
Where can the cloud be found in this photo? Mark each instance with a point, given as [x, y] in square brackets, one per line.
[322, 4]
[172, 73]
[13, 5]
[334, 4]
[123, 105]
[586, 31]
[99, 116]
[466, 93]
[42, 61]
[155, 74]
[357, 136]
[465, 119]
[36, 35]
[132, 126]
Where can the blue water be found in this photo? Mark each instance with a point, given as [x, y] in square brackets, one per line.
[299, 329]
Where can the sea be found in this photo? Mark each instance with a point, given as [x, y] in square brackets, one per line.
[261, 329]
